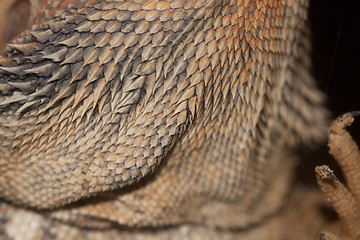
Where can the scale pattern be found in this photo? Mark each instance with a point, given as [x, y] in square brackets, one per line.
[147, 113]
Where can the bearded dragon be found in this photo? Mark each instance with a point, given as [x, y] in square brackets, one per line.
[155, 119]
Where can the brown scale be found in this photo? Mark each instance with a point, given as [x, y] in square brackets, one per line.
[166, 113]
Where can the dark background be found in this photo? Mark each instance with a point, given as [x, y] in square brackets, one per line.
[336, 52]
[335, 27]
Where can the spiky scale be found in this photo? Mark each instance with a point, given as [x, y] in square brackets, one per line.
[130, 40]
[90, 55]
[44, 70]
[26, 48]
[64, 93]
[26, 87]
[142, 27]
[102, 39]
[60, 73]
[145, 68]
[99, 91]
[94, 73]
[57, 56]
[78, 71]
[137, 16]
[43, 92]
[42, 36]
[88, 103]
[113, 26]
[110, 14]
[15, 70]
[84, 27]
[106, 55]
[110, 72]
[193, 66]
[14, 98]
[116, 39]
[71, 41]
[86, 41]
[74, 55]
[95, 16]
[97, 27]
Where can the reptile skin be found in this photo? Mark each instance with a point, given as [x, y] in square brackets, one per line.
[150, 114]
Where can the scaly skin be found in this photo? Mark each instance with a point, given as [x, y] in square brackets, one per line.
[211, 96]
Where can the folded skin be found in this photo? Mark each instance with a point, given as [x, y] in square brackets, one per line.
[210, 96]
